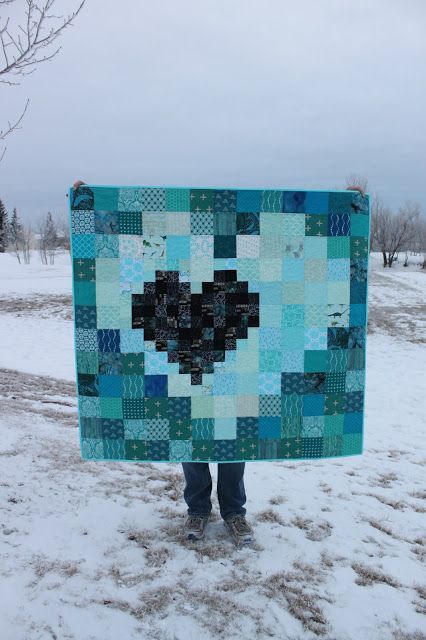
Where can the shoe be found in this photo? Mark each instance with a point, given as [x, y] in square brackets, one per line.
[195, 525]
[239, 528]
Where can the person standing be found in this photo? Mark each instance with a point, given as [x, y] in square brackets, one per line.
[230, 487]
[231, 495]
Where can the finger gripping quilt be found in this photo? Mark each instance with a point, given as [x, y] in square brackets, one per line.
[219, 325]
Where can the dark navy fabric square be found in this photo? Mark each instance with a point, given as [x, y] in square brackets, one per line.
[155, 386]
[109, 340]
[294, 201]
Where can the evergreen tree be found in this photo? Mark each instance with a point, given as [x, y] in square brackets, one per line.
[51, 232]
[15, 234]
[48, 238]
[4, 223]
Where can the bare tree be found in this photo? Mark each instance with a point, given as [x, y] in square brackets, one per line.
[48, 239]
[356, 181]
[379, 227]
[376, 208]
[27, 243]
[394, 232]
[28, 43]
[11, 127]
[63, 228]
[420, 242]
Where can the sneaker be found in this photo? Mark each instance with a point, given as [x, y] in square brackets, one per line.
[239, 528]
[195, 525]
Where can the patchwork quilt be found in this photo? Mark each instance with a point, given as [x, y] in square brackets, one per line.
[219, 325]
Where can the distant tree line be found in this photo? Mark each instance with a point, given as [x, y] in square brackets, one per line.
[50, 235]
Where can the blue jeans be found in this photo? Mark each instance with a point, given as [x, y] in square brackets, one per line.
[230, 487]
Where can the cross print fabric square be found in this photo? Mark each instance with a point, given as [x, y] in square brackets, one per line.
[219, 325]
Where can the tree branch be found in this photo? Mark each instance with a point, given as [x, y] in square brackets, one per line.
[20, 52]
[12, 127]
[17, 56]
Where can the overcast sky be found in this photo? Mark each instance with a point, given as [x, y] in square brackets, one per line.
[242, 93]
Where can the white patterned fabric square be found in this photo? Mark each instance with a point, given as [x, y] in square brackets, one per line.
[248, 246]
[83, 222]
[130, 199]
[202, 247]
[178, 223]
[154, 223]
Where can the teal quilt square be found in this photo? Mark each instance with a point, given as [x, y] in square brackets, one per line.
[83, 222]
[315, 292]
[225, 429]
[316, 247]
[129, 199]
[270, 292]
[317, 202]
[338, 247]
[224, 223]
[359, 225]
[293, 270]
[178, 247]
[111, 407]
[293, 292]
[293, 360]
[84, 293]
[269, 382]
[106, 246]
[338, 269]
[293, 224]
[177, 199]
[107, 270]
[270, 338]
[293, 338]
[269, 427]
[106, 199]
[316, 360]
[110, 385]
[315, 270]
[293, 315]
[272, 200]
[83, 246]
[249, 200]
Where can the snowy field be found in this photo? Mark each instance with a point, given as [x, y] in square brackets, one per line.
[93, 550]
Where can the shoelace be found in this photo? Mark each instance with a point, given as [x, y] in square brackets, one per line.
[241, 524]
[195, 520]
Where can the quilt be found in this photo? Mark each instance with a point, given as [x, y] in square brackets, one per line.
[219, 325]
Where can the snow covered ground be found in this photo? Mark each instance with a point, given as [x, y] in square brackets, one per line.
[93, 550]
